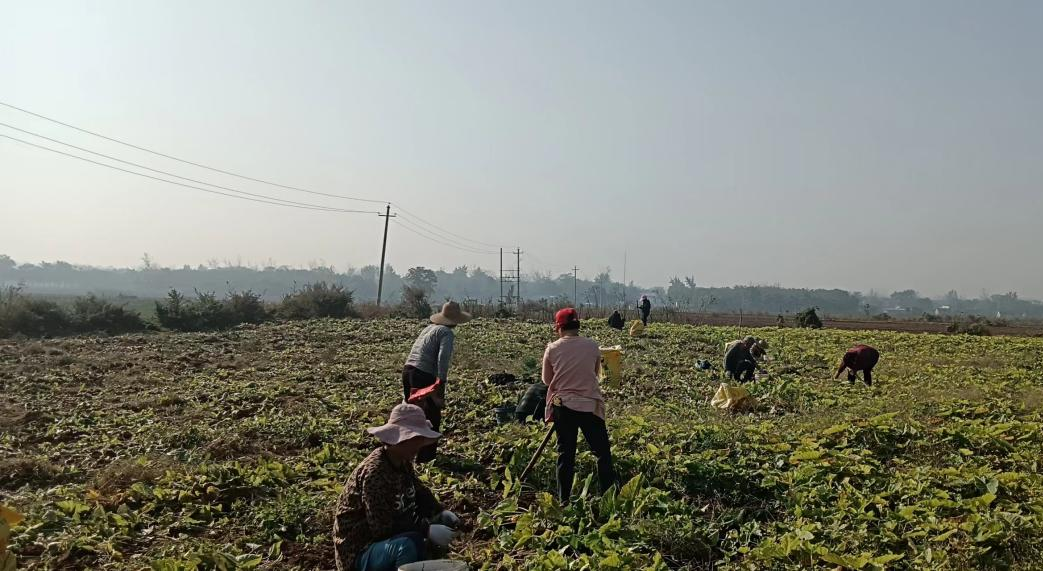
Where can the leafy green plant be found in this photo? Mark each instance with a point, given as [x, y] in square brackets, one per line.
[29, 316]
[318, 300]
[808, 319]
[414, 303]
[229, 449]
[93, 314]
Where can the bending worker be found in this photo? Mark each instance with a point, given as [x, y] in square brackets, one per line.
[386, 517]
[859, 358]
[570, 370]
[616, 320]
[739, 362]
[428, 367]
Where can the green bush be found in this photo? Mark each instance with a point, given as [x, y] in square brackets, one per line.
[247, 307]
[175, 313]
[93, 314]
[414, 303]
[38, 317]
[207, 312]
[974, 327]
[808, 319]
[318, 300]
[29, 316]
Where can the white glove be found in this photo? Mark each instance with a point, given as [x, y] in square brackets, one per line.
[440, 535]
[448, 518]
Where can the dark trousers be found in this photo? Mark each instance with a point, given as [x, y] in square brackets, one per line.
[743, 371]
[567, 425]
[867, 370]
[413, 378]
[644, 316]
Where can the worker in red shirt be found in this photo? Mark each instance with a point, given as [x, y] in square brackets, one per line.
[859, 358]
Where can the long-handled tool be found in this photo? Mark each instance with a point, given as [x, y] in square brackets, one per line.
[539, 451]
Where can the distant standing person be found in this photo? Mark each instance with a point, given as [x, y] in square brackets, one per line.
[859, 358]
[616, 320]
[428, 368]
[570, 370]
[645, 305]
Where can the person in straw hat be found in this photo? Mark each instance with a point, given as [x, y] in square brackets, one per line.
[386, 517]
[425, 374]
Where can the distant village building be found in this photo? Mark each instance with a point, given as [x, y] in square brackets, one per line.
[942, 311]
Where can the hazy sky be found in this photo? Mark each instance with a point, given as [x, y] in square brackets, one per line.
[824, 144]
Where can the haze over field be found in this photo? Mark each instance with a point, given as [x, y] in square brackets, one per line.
[821, 144]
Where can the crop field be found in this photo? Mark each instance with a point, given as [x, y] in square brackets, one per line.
[228, 450]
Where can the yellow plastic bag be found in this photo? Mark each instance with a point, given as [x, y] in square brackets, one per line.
[637, 328]
[8, 518]
[612, 366]
[733, 398]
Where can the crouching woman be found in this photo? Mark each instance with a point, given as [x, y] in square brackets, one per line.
[386, 517]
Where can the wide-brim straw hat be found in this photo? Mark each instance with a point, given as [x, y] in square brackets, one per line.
[406, 422]
[450, 315]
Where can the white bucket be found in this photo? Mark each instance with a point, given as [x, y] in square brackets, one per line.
[436, 565]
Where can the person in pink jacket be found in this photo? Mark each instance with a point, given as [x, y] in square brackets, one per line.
[575, 402]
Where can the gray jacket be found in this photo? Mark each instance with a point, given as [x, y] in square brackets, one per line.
[432, 351]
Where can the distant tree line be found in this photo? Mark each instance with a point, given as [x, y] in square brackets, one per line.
[419, 285]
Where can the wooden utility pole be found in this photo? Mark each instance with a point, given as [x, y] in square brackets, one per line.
[383, 251]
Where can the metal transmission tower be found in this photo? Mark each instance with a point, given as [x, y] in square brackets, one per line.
[510, 280]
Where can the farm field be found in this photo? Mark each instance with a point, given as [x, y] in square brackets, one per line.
[228, 450]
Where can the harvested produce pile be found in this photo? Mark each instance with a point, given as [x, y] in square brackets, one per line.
[228, 450]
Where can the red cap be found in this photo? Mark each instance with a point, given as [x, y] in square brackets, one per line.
[565, 316]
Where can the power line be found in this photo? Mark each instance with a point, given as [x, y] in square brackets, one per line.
[433, 230]
[408, 214]
[275, 201]
[442, 233]
[186, 161]
[420, 233]
[234, 190]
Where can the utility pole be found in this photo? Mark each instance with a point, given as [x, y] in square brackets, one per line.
[518, 253]
[501, 277]
[383, 251]
[575, 288]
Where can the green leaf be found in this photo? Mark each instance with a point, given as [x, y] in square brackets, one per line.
[944, 536]
[629, 490]
[992, 486]
[805, 456]
[886, 558]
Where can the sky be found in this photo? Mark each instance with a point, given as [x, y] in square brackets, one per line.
[836, 144]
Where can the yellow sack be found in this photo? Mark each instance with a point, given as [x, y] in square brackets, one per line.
[612, 365]
[637, 328]
[733, 398]
[8, 518]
